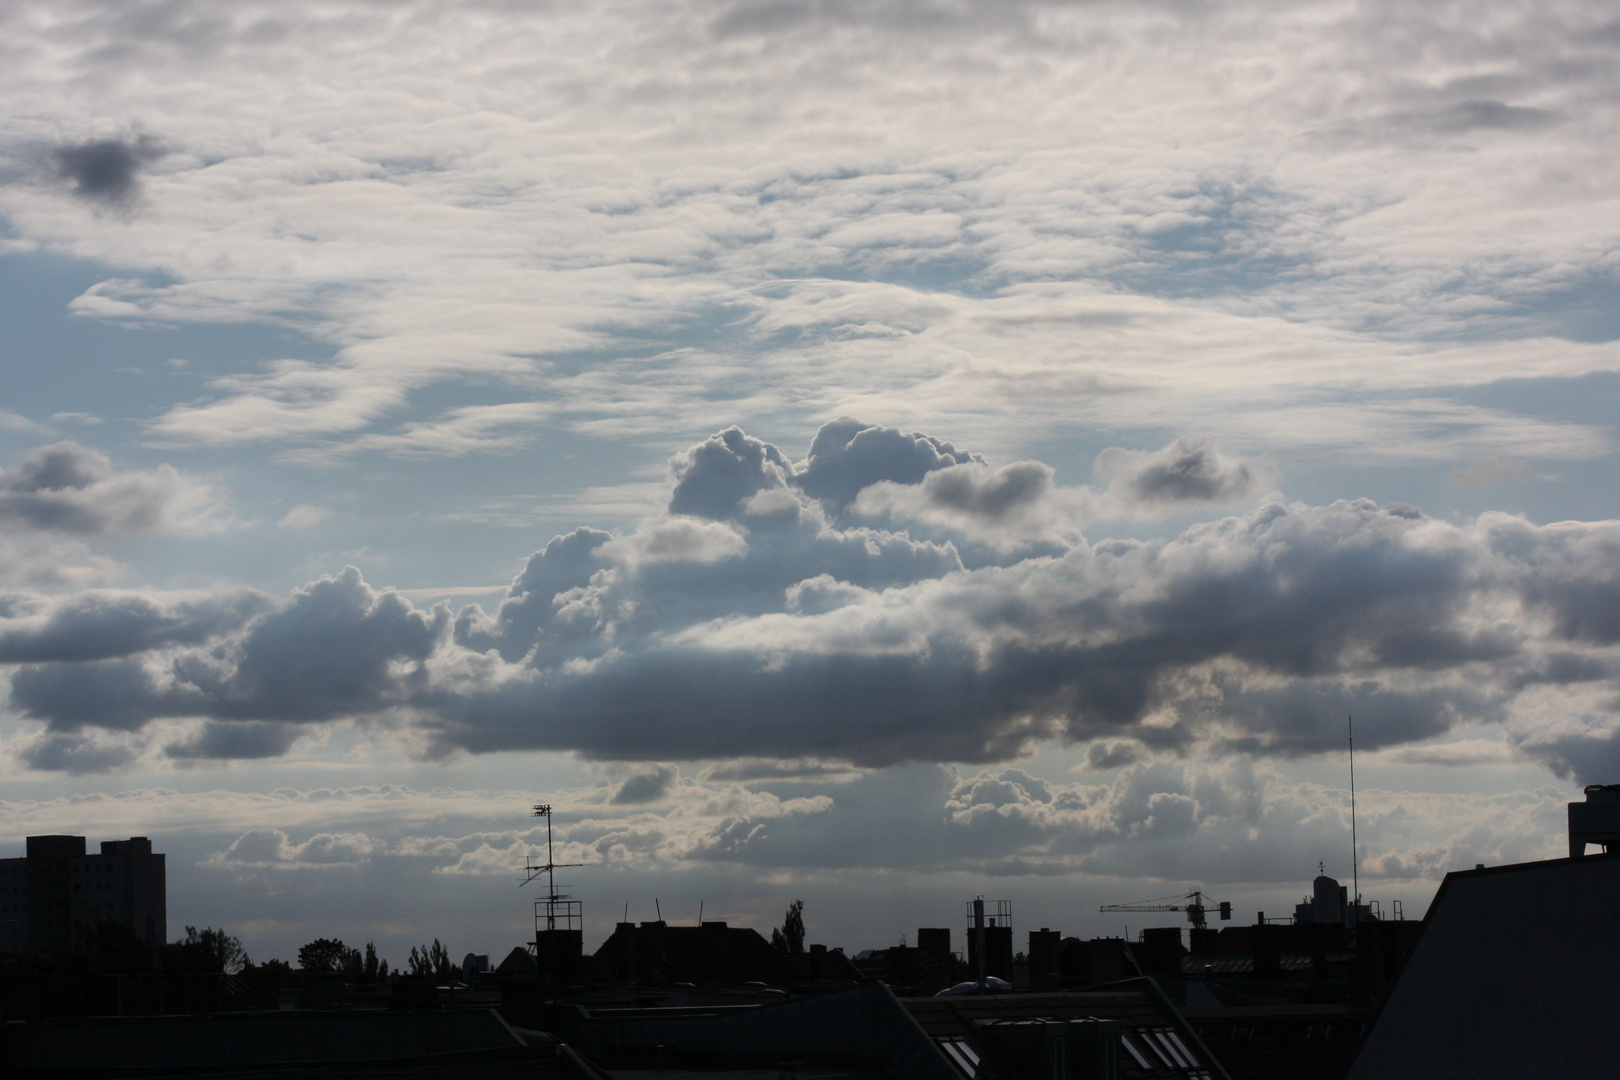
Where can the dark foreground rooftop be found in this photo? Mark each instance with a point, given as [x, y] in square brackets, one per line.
[438, 1045]
[1517, 974]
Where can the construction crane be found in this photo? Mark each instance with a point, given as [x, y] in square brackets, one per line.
[1195, 909]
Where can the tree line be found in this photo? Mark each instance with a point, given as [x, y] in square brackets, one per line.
[113, 948]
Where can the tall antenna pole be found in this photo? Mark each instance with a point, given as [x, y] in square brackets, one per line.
[554, 914]
[1355, 853]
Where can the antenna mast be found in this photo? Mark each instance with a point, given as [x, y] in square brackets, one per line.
[551, 865]
[1355, 854]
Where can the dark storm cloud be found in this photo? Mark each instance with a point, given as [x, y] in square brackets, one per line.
[107, 171]
[760, 627]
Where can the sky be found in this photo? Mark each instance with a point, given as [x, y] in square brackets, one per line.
[875, 454]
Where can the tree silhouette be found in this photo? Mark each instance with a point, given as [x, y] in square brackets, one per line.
[205, 950]
[789, 937]
[323, 954]
[433, 962]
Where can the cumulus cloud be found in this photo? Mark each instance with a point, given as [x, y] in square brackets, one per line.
[71, 489]
[100, 625]
[1187, 473]
[1006, 506]
[644, 787]
[1019, 504]
[335, 648]
[59, 499]
[763, 622]
[107, 171]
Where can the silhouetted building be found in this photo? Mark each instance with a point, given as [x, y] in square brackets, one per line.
[1100, 960]
[990, 941]
[559, 956]
[935, 941]
[713, 954]
[819, 964]
[1595, 821]
[1329, 905]
[1044, 946]
[57, 889]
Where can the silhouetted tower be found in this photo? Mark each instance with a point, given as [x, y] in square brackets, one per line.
[558, 934]
[990, 950]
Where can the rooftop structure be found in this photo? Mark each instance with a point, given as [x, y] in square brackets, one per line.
[712, 954]
[57, 889]
[1595, 821]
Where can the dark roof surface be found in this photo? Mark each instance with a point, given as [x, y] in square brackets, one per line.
[265, 1041]
[1157, 1040]
[1283, 1042]
[1516, 974]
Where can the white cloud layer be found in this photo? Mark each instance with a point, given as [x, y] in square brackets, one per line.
[953, 214]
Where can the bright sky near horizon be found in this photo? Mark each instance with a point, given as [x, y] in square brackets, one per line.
[872, 453]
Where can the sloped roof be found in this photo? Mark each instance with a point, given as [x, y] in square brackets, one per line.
[1157, 1040]
[1515, 975]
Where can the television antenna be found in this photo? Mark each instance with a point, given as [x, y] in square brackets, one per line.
[1355, 852]
[553, 905]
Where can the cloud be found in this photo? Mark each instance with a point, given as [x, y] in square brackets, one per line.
[1187, 473]
[1489, 471]
[1006, 507]
[895, 251]
[36, 561]
[335, 648]
[645, 787]
[107, 171]
[1462, 753]
[101, 625]
[271, 849]
[764, 625]
[303, 516]
[1019, 504]
[10, 421]
[79, 753]
[235, 742]
[71, 489]
[848, 456]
